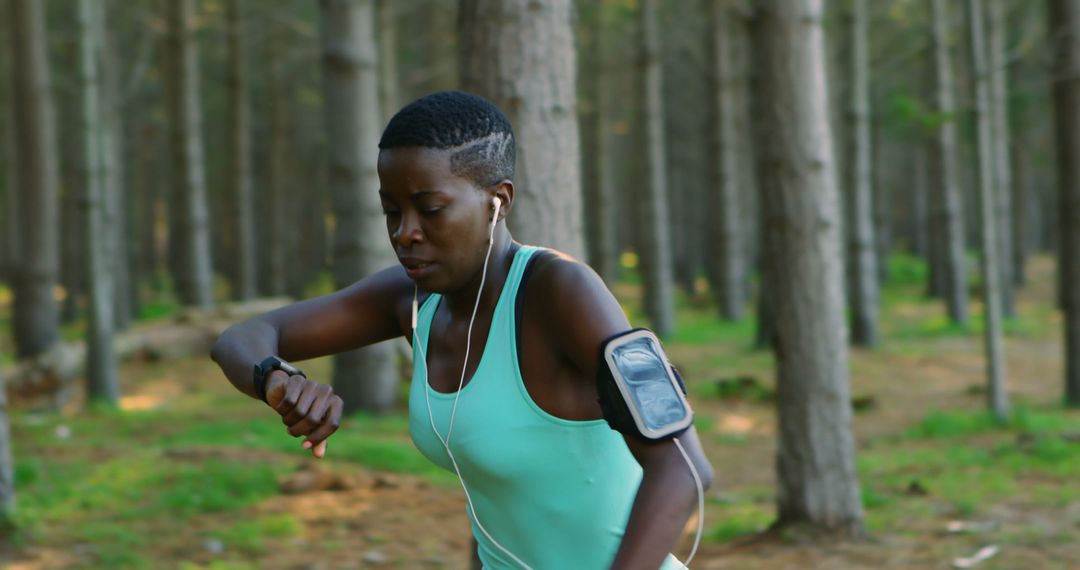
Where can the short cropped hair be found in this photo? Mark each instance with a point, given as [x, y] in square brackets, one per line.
[472, 127]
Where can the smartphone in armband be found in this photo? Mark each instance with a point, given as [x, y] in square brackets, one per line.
[640, 392]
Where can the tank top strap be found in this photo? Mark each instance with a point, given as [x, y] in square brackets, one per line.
[504, 309]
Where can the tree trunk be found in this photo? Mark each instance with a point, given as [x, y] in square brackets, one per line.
[656, 262]
[1021, 202]
[240, 194]
[1002, 161]
[683, 34]
[1065, 38]
[862, 260]
[920, 196]
[727, 261]
[600, 199]
[36, 317]
[193, 272]
[389, 79]
[277, 231]
[115, 218]
[989, 240]
[945, 186]
[816, 449]
[366, 378]
[7, 466]
[520, 55]
[883, 203]
[102, 383]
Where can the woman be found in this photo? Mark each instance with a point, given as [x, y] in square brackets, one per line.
[507, 339]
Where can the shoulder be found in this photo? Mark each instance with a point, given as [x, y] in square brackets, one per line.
[572, 305]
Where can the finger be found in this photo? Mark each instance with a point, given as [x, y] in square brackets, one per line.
[303, 404]
[330, 424]
[315, 411]
[320, 450]
[293, 388]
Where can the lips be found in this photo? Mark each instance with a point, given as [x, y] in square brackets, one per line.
[415, 267]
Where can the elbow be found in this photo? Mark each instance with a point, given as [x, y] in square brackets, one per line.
[219, 347]
[705, 472]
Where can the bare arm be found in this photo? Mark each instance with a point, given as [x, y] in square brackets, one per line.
[371, 310]
[667, 494]
[364, 313]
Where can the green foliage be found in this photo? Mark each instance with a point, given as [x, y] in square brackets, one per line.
[250, 537]
[740, 520]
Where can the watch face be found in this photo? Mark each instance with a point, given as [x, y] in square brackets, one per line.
[292, 370]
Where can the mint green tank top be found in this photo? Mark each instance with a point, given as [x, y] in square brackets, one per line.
[554, 492]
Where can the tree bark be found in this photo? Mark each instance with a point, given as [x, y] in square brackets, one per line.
[988, 219]
[600, 200]
[520, 55]
[1065, 40]
[656, 262]
[727, 261]
[277, 232]
[99, 240]
[7, 465]
[241, 194]
[862, 260]
[389, 79]
[684, 60]
[36, 317]
[920, 196]
[193, 272]
[1002, 161]
[943, 155]
[816, 449]
[366, 378]
[1022, 204]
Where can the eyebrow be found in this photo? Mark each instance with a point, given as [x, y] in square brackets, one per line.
[414, 195]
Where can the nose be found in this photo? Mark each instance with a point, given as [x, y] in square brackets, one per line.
[408, 230]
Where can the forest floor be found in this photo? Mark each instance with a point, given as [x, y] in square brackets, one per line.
[190, 474]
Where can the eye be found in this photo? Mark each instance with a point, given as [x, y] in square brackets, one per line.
[431, 211]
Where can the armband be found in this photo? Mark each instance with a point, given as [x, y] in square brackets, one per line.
[640, 391]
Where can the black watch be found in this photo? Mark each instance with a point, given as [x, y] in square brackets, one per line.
[268, 365]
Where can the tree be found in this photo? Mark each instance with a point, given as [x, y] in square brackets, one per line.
[240, 195]
[189, 213]
[600, 199]
[654, 222]
[728, 265]
[520, 55]
[365, 378]
[1002, 157]
[947, 219]
[862, 260]
[991, 276]
[816, 449]
[98, 242]
[36, 317]
[683, 33]
[1065, 40]
[7, 466]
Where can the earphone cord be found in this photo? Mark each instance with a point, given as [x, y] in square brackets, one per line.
[461, 383]
[453, 411]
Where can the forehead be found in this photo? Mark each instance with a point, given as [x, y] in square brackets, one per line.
[414, 166]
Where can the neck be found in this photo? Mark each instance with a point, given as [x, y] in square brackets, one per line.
[460, 303]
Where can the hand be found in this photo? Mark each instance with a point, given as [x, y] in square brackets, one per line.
[306, 407]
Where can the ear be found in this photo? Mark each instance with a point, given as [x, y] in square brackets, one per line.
[504, 191]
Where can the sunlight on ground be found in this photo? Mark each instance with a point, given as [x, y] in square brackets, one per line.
[734, 423]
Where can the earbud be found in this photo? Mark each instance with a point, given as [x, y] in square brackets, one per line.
[497, 202]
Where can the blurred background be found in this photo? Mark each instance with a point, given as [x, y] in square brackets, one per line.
[856, 224]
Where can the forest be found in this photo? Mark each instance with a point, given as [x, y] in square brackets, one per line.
[855, 224]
